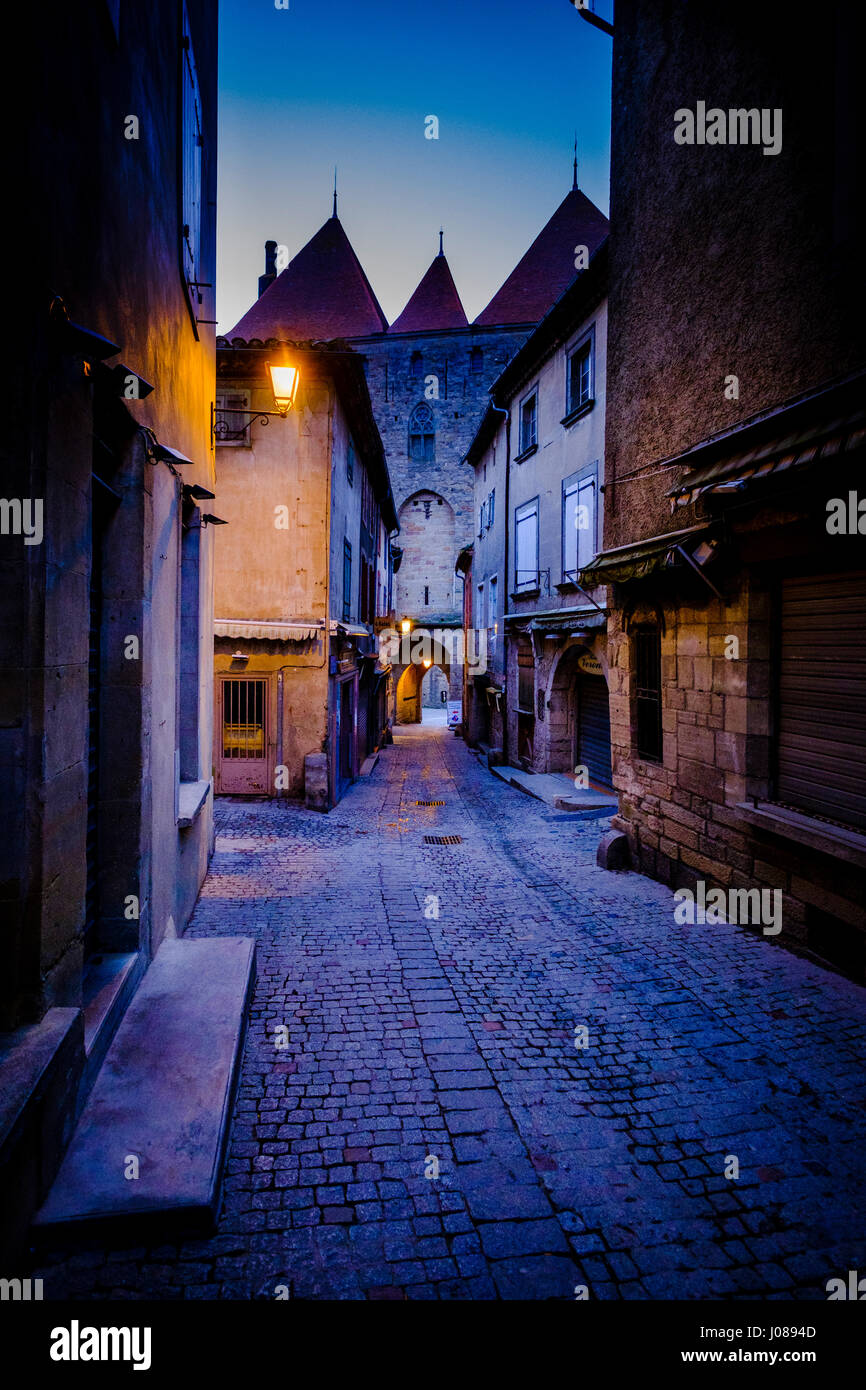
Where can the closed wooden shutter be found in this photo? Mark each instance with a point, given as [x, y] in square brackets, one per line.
[593, 738]
[822, 697]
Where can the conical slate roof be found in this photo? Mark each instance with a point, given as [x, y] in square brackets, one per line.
[547, 269]
[435, 303]
[323, 293]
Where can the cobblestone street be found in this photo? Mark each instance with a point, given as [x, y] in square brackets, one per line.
[413, 1037]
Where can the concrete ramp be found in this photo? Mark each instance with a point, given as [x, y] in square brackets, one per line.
[162, 1102]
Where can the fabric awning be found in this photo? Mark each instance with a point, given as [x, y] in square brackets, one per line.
[275, 632]
[575, 622]
[639, 559]
[817, 443]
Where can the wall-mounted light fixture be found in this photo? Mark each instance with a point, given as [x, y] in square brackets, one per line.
[200, 493]
[163, 453]
[406, 626]
[208, 520]
[284, 380]
[128, 384]
[284, 385]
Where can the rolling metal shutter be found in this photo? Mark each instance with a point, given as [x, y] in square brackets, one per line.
[593, 739]
[822, 697]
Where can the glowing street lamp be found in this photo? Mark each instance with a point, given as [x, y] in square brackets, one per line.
[284, 388]
[406, 626]
[284, 384]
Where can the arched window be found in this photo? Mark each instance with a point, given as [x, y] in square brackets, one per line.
[416, 366]
[422, 434]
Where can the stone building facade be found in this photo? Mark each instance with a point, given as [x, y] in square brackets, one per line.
[538, 462]
[105, 727]
[429, 375]
[734, 428]
[302, 578]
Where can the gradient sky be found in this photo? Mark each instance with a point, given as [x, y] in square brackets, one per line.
[341, 82]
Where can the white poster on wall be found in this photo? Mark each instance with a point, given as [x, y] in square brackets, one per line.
[455, 713]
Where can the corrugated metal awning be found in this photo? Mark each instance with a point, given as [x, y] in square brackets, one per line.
[349, 629]
[274, 632]
[639, 559]
[734, 472]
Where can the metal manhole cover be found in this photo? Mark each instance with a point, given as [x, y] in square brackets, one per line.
[443, 839]
[429, 803]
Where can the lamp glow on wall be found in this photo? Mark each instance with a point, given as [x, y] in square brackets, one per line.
[406, 626]
[284, 384]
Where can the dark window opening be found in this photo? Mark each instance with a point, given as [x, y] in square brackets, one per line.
[422, 434]
[347, 581]
[648, 692]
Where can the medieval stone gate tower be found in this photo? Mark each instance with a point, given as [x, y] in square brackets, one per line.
[429, 375]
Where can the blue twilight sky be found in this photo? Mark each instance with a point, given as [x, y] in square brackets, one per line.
[350, 82]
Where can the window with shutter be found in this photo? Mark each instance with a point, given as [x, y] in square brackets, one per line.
[578, 522]
[526, 546]
[231, 423]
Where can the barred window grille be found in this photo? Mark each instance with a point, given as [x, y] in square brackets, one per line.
[648, 692]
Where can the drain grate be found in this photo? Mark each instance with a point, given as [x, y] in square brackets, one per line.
[429, 803]
[443, 839]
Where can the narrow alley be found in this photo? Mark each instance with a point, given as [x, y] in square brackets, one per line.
[485, 1068]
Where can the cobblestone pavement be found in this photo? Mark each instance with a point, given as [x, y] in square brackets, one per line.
[413, 1038]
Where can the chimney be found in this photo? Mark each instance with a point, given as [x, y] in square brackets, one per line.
[270, 274]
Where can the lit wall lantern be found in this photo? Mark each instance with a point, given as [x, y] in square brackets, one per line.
[406, 626]
[284, 384]
[427, 665]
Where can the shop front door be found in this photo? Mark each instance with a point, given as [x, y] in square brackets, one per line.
[242, 765]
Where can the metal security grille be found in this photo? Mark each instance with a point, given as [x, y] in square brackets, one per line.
[822, 697]
[244, 706]
[429, 803]
[593, 728]
[443, 839]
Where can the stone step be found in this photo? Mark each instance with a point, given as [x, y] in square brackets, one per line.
[163, 1097]
[556, 789]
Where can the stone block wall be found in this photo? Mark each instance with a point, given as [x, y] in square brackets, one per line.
[681, 816]
[458, 399]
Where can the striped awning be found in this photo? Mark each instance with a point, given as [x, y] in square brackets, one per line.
[274, 632]
[818, 443]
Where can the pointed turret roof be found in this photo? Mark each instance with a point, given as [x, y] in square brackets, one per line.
[547, 269]
[435, 303]
[323, 293]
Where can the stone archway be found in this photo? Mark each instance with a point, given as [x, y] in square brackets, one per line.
[410, 678]
[579, 716]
